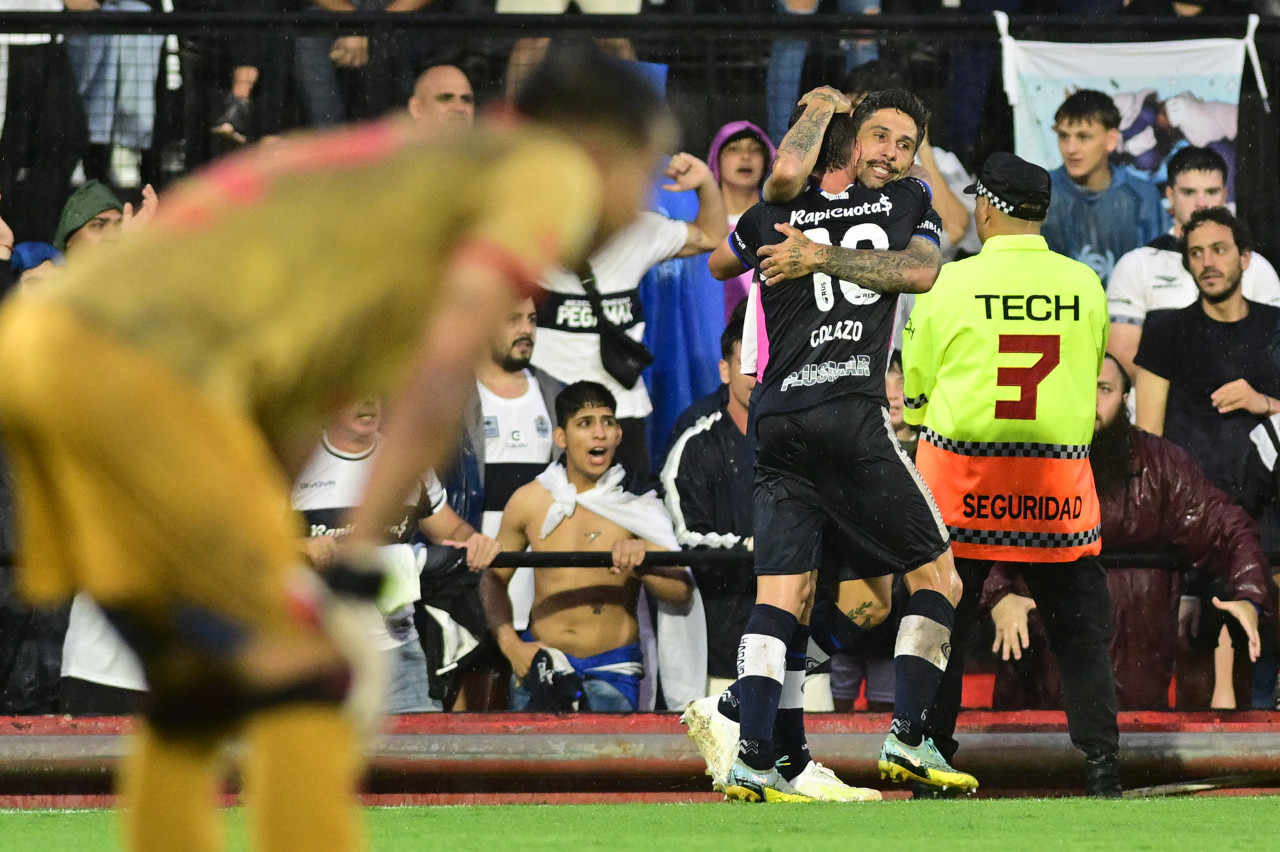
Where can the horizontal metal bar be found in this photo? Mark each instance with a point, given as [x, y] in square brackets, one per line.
[1168, 559]
[938, 27]
[603, 559]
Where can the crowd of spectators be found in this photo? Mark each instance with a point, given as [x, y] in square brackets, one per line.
[89, 122]
[137, 108]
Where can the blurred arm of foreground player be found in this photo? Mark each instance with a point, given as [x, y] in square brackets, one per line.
[424, 416]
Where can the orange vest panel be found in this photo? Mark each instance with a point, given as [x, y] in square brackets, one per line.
[1023, 508]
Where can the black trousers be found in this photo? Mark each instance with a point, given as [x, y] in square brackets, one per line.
[1073, 600]
[633, 454]
[44, 136]
[86, 698]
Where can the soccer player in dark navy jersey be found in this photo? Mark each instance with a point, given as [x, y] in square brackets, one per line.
[832, 335]
[832, 485]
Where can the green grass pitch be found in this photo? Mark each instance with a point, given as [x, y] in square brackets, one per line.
[1212, 823]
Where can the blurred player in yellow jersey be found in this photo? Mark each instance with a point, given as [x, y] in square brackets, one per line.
[161, 395]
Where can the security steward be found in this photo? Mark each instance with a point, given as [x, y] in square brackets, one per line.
[1002, 360]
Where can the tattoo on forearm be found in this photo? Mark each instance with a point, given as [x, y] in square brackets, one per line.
[804, 137]
[881, 271]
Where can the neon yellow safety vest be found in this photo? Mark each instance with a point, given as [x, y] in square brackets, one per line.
[1001, 360]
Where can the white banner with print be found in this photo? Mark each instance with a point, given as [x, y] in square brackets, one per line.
[1170, 94]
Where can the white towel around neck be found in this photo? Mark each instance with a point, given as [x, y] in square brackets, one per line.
[680, 646]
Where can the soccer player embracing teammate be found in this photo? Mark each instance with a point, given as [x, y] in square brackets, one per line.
[833, 489]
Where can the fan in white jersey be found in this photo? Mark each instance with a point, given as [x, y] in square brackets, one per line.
[509, 424]
[570, 348]
[332, 484]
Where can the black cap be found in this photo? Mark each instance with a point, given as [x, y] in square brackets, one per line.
[1016, 187]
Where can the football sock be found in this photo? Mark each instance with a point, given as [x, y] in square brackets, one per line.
[729, 702]
[300, 776]
[169, 792]
[762, 657]
[919, 659]
[789, 742]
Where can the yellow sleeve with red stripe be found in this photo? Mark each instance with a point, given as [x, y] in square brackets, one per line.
[541, 206]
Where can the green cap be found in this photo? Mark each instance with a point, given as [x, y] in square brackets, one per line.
[85, 203]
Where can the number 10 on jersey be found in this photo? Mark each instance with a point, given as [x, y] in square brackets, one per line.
[864, 235]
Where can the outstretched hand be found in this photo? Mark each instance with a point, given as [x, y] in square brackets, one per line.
[322, 550]
[835, 96]
[918, 171]
[350, 51]
[520, 655]
[628, 553]
[139, 219]
[1239, 395]
[1245, 613]
[480, 550]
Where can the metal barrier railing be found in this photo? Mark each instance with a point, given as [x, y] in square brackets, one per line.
[1170, 559]
[943, 26]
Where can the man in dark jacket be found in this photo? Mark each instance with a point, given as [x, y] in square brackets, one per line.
[1152, 495]
[707, 483]
[1254, 482]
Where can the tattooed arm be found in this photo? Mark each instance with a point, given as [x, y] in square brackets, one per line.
[912, 270]
[798, 153]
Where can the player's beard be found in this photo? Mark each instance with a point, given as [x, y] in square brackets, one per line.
[1109, 454]
[865, 170]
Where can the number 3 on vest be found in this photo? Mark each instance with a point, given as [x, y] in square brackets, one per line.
[1026, 379]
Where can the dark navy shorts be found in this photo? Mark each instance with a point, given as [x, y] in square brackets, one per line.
[834, 490]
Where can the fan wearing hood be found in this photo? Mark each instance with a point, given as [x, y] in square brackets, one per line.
[739, 158]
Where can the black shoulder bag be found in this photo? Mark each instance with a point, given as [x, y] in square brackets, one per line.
[623, 357]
